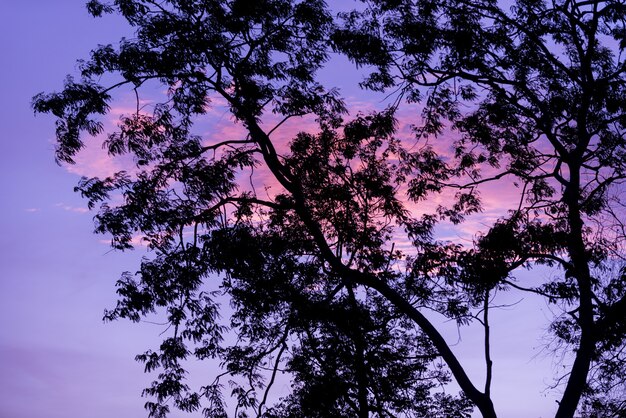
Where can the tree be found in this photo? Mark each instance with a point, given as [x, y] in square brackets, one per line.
[329, 276]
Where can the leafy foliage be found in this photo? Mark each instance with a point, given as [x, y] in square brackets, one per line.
[329, 272]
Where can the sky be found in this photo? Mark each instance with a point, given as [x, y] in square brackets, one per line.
[57, 357]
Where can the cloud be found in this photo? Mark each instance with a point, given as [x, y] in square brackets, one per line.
[32, 210]
[217, 125]
[69, 208]
[94, 160]
[137, 240]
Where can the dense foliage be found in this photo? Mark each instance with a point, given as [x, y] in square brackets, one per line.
[323, 246]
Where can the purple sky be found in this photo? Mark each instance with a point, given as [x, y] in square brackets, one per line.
[57, 358]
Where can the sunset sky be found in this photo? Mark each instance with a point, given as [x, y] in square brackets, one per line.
[57, 358]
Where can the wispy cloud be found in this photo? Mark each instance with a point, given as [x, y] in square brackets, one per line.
[136, 241]
[69, 208]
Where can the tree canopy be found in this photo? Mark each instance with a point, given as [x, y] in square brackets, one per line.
[332, 275]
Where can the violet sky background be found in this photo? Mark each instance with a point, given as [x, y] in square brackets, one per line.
[57, 358]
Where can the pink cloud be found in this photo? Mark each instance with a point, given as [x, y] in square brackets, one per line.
[217, 125]
[137, 240]
[93, 161]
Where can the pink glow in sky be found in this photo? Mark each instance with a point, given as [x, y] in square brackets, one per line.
[57, 358]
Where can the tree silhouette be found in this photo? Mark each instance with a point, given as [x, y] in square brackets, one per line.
[330, 275]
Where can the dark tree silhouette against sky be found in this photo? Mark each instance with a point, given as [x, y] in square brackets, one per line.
[317, 222]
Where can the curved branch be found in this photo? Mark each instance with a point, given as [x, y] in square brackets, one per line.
[482, 401]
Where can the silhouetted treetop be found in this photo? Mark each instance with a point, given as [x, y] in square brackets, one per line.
[317, 259]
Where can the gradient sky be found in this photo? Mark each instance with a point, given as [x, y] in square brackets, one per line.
[57, 358]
